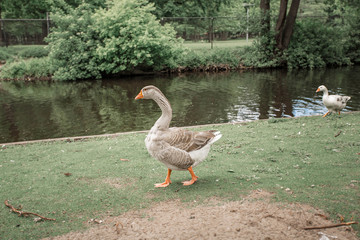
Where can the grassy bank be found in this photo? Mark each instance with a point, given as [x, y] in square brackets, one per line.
[32, 63]
[22, 51]
[310, 160]
[25, 62]
[203, 45]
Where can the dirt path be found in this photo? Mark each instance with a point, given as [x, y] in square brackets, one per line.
[254, 217]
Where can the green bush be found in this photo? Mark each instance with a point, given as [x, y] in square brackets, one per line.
[193, 59]
[4, 54]
[23, 51]
[315, 44]
[23, 69]
[73, 43]
[230, 57]
[262, 53]
[131, 38]
[215, 57]
[352, 43]
[34, 51]
[13, 70]
[125, 36]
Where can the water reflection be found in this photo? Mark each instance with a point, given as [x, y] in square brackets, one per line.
[36, 110]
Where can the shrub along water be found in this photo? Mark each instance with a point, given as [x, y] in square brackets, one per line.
[12, 53]
[33, 68]
[89, 43]
[316, 45]
[125, 36]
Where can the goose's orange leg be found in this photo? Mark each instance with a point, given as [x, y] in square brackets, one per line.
[193, 178]
[326, 114]
[167, 180]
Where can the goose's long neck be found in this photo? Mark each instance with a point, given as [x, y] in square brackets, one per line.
[166, 116]
[325, 93]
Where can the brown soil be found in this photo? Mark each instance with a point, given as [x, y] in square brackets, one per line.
[254, 217]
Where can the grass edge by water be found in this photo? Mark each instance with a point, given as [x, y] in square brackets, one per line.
[35, 172]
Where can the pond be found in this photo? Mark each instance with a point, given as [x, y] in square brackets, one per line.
[39, 110]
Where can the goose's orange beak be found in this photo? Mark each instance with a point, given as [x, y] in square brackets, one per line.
[139, 96]
[318, 90]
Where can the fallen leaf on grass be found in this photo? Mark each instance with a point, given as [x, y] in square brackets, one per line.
[96, 221]
[341, 218]
[68, 174]
[117, 227]
[321, 215]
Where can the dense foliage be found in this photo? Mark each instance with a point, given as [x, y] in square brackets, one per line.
[73, 44]
[329, 39]
[37, 68]
[38, 8]
[130, 37]
[15, 52]
[94, 38]
[316, 45]
[125, 36]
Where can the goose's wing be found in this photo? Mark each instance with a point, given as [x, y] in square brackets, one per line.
[336, 101]
[175, 158]
[188, 140]
[344, 99]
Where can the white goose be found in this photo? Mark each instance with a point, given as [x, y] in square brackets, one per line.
[334, 103]
[177, 148]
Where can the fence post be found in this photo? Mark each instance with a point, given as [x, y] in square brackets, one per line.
[212, 32]
[1, 33]
[48, 22]
[247, 6]
[4, 39]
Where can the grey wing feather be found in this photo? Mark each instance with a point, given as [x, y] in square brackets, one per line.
[188, 140]
[175, 158]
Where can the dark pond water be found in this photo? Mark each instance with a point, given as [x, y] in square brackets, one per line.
[38, 110]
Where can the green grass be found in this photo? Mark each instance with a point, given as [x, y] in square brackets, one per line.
[22, 51]
[201, 45]
[300, 160]
[11, 51]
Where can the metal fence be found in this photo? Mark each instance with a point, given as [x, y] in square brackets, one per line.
[34, 31]
[207, 29]
[23, 31]
[211, 28]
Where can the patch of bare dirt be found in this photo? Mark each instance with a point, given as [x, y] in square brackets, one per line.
[119, 182]
[254, 217]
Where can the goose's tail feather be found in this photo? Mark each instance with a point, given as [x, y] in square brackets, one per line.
[217, 134]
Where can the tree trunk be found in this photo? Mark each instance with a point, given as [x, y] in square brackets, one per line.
[281, 21]
[1, 28]
[290, 22]
[265, 17]
[285, 25]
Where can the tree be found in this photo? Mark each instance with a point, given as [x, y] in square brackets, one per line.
[187, 8]
[285, 23]
[37, 8]
[346, 15]
[265, 17]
